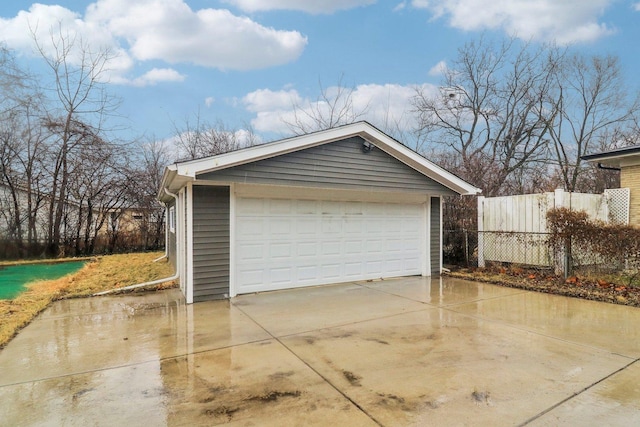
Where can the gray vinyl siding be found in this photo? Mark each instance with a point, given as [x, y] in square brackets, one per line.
[434, 245]
[341, 164]
[210, 243]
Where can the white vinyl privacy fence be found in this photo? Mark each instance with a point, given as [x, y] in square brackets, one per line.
[513, 229]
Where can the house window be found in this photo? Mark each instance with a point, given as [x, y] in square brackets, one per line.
[172, 219]
[114, 221]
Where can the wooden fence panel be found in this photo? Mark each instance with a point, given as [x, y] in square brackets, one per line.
[512, 229]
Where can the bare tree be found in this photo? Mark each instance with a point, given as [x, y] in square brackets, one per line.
[81, 104]
[198, 138]
[148, 176]
[21, 152]
[332, 108]
[490, 110]
[594, 109]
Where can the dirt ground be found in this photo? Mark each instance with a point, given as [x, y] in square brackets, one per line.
[590, 287]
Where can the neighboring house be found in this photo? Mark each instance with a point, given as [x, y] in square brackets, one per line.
[627, 160]
[39, 212]
[345, 204]
[126, 220]
[106, 222]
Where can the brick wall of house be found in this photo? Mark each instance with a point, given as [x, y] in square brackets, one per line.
[630, 178]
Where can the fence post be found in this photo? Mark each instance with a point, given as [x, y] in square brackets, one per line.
[563, 259]
[480, 231]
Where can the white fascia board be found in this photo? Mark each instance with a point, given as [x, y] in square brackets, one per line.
[617, 161]
[167, 176]
[187, 171]
[435, 172]
[265, 151]
[629, 161]
[419, 163]
[172, 181]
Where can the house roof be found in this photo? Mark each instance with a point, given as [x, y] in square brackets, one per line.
[178, 174]
[616, 158]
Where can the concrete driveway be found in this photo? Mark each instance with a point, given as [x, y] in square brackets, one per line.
[409, 351]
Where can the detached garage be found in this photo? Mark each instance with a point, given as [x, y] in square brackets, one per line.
[340, 205]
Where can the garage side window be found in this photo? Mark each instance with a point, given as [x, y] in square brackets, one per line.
[172, 219]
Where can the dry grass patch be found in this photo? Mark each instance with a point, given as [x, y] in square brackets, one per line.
[99, 274]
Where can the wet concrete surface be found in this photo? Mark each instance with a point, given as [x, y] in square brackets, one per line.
[408, 351]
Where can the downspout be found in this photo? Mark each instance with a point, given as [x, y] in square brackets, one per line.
[153, 282]
[166, 236]
[139, 285]
[166, 228]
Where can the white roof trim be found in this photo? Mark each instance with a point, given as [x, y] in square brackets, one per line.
[176, 175]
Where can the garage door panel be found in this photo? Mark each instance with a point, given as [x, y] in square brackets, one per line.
[331, 271]
[306, 207]
[353, 247]
[353, 226]
[252, 227]
[249, 277]
[281, 275]
[373, 268]
[307, 227]
[331, 225]
[307, 249]
[251, 252]
[281, 250]
[374, 246]
[290, 243]
[308, 273]
[394, 245]
[331, 248]
[280, 227]
[409, 228]
[353, 269]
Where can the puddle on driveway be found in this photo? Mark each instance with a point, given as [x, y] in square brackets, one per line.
[152, 360]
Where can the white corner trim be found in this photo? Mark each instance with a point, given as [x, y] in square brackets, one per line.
[426, 235]
[441, 232]
[189, 242]
[232, 241]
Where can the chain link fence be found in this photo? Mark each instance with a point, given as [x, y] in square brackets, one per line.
[470, 248]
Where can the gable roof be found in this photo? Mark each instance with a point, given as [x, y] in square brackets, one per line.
[616, 158]
[178, 174]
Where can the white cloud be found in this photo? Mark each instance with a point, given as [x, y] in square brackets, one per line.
[438, 69]
[170, 31]
[308, 6]
[164, 30]
[565, 21]
[157, 75]
[269, 100]
[400, 6]
[387, 106]
[209, 100]
[637, 7]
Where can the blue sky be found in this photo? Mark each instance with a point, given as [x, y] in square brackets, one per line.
[248, 61]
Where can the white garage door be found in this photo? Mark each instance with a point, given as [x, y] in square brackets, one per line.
[292, 243]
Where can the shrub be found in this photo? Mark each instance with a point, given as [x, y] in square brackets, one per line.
[593, 242]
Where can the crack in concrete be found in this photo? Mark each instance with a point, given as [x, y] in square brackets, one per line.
[578, 393]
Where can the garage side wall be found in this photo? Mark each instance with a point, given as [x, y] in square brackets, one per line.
[434, 244]
[171, 239]
[342, 164]
[210, 243]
